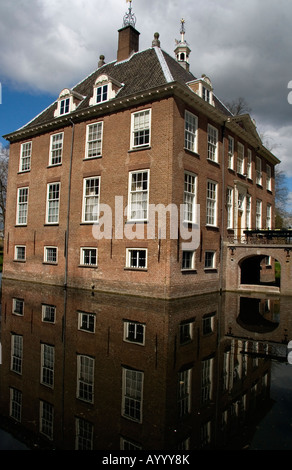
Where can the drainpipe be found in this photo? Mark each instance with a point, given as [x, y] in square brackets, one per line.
[222, 208]
[68, 208]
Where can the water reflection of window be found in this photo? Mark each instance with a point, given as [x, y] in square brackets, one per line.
[47, 364]
[205, 434]
[16, 353]
[15, 404]
[18, 306]
[134, 332]
[126, 444]
[226, 370]
[86, 321]
[46, 419]
[132, 394]
[84, 434]
[184, 445]
[208, 323]
[206, 380]
[85, 378]
[48, 313]
[186, 331]
[184, 391]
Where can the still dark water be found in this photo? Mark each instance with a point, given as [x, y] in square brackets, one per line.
[89, 371]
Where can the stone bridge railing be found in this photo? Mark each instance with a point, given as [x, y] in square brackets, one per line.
[263, 237]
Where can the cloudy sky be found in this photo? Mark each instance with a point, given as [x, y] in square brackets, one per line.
[244, 47]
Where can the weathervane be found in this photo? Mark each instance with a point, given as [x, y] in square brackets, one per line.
[129, 18]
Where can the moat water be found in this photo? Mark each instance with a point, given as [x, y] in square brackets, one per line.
[89, 371]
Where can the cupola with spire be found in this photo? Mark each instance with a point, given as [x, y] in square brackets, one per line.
[182, 50]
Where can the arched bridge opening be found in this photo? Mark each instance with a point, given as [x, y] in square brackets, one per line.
[261, 270]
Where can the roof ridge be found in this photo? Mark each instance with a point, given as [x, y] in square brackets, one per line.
[166, 71]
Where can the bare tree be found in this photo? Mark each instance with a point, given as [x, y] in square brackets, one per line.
[4, 158]
[238, 106]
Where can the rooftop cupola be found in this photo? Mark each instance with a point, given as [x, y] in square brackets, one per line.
[128, 36]
[182, 50]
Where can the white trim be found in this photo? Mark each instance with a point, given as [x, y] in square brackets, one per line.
[167, 74]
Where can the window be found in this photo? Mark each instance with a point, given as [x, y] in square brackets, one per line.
[248, 211]
[206, 380]
[25, 156]
[269, 178]
[206, 94]
[211, 203]
[209, 259]
[208, 323]
[94, 140]
[88, 257]
[86, 321]
[16, 353]
[184, 392]
[140, 129]
[47, 364]
[53, 203]
[240, 158]
[188, 260]
[191, 129]
[269, 217]
[212, 143]
[190, 198]
[229, 205]
[136, 258]
[51, 255]
[138, 195]
[48, 313]
[258, 171]
[65, 106]
[126, 444]
[15, 404]
[91, 190]
[85, 378]
[134, 332]
[20, 253]
[249, 164]
[102, 93]
[22, 206]
[132, 399]
[18, 306]
[258, 214]
[230, 152]
[186, 331]
[46, 419]
[84, 435]
[56, 149]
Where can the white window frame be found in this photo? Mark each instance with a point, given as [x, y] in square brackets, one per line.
[212, 141]
[190, 197]
[89, 217]
[268, 177]
[258, 214]
[213, 266]
[132, 394]
[84, 434]
[248, 211]
[85, 322]
[191, 260]
[140, 194]
[25, 156]
[15, 406]
[46, 419]
[18, 307]
[259, 176]
[22, 205]
[64, 105]
[211, 204]
[85, 378]
[48, 317]
[132, 333]
[184, 391]
[16, 253]
[240, 158]
[269, 217]
[46, 252]
[56, 148]
[191, 132]
[230, 207]
[94, 140]
[230, 152]
[140, 127]
[47, 365]
[249, 164]
[186, 331]
[82, 256]
[129, 261]
[16, 353]
[53, 214]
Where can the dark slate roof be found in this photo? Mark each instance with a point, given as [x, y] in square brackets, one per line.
[141, 72]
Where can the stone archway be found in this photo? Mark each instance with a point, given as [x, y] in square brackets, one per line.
[260, 270]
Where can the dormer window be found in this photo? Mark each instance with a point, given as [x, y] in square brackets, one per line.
[203, 88]
[67, 102]
[104, 89]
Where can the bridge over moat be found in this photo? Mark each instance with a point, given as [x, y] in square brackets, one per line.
[261, 262]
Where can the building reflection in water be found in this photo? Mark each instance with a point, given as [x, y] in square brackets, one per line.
[85, 370]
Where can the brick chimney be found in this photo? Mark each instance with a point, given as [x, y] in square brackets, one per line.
[128, 42]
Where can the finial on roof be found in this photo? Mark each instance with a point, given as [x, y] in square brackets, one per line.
[156, 41]
[182, 30]
[182, 50]
[129, 18]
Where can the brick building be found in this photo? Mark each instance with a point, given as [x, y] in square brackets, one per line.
[139, 133]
